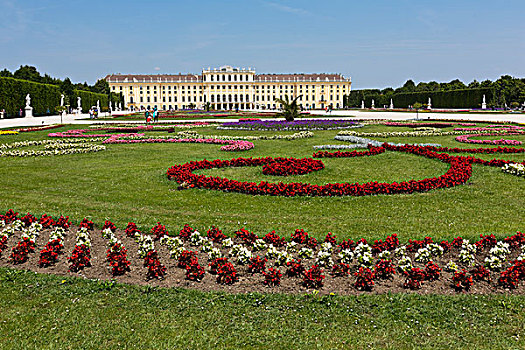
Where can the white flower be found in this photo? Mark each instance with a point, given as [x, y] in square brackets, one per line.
[326, 246]
[244, 256]
[385, 255]
[259, 244]
[83, 237]
[227, 243]
[107, 233]
[206, 245]
[146, 245]
[423, 255]
[324, 258]
[306, 253]
[171, 242]
[214, 253]
[404, 264]
[176, 252]
[346, 256]
[236, 249]
[57, 233]
[196, 238]
[451, 266]
[291, 246]
[272, 252]
[283, 257]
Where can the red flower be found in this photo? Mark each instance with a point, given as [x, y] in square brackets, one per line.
[272, 277]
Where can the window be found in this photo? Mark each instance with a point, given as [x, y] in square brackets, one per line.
[141, 99]
[113, 88]
[155, 99]
[163, 99]
[148, 99]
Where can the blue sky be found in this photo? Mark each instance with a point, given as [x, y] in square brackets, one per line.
[378, 43]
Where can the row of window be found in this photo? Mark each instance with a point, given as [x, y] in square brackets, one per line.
[229, 87]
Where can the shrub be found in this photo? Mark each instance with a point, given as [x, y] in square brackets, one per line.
[80, 258]
[340, 270]
[461, 280]
[313, 278]
[257, 265]
[159, 231]
[216, 263]
[194, 271]
[364, 279]
[384, 269]
[480, 273]
[272, 277]
[226, 274]
[215, 235]
[432, 271]
[295, 268]
[415, 276]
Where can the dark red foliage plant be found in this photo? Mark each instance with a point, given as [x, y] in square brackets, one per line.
[216, 263]
[49, 255]
[80, 258]
[480, 273]
[28, 219]
[414, 277]
[87, 224]
[331, 238]
[216, 235]
[20, 253]
[155, 268]
[295, 268]
[313, 278]
[194, 271]
[159, 231]
[118, 259]
[227, 274]
[462, 281]
[340, 270]
[46, 221]
[509, 279]
[186, 232]
[364, 279]
[272, 277]
[185, 258]
[246, 236]
[384, 269]
[300, 236]
[257, 265]
[63, 222]
[432, 271]
[131, 229]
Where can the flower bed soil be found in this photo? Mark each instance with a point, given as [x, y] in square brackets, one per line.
[247, 282]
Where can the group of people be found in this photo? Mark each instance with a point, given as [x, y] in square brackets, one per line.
[93, 113]
[152, 115]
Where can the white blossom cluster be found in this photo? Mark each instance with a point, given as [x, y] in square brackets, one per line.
[497, 256]
[514, 169]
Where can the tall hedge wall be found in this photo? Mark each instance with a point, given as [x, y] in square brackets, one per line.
[466, 98]
[44, 97]
[13, 93]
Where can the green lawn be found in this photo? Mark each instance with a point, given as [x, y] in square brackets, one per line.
[128, 183]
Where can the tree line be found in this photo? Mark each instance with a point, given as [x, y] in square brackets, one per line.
[506, 91]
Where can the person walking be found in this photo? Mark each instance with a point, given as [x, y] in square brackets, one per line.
[155, 115]
[20, 113]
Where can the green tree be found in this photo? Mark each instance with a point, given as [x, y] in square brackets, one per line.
[28, 73]
[5, 73]
[290, 109]
[101, 87]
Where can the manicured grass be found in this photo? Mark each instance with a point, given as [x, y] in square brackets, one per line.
[48, 312]
[128, 183]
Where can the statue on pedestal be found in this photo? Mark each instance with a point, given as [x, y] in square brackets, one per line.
[391, 104]
[362, 104]
[28, 100]
[61, 100]
[373, 104]
[429, 103]
[79, 109]
[484, 104]
[28, 109]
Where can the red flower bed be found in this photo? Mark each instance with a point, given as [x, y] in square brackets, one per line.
[272, 277]
[462, 281]
[459, 172]
[131, 229]
[155, 267]
[227, 274]
[257, 265]
[292, 166]
[194, 271]
[384, 269]
[313, 278]
[274, 239]
[364, 279]
[159, 231]
[415, 276]
[295, 268]
[216, 264]
[118, 260]
[216, 235]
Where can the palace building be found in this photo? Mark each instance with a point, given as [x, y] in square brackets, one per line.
[228, 88]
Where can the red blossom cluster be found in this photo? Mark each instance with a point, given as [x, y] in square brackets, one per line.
[390, 243]
[292, 166]
[117, 258]
[80, 258]
[216, 263]
[9, 216]
[462, 281]
[49, 255]
[20, 252]
[155, 267]
[246, 236]
[227, 274]
[46, 221]
[28, 219]
[63, 222]
[414, 277]
[3, 243]
[295, 268]
[340, 270]
[384, 269]
[274, 239]
[185, 232]
[256, 264]
[364, 279]
[110, 225]
[432, 271]
[185, 258]
[313, 277]
[480, 273]
[215, 234]
[131, 229]
[272, 277]
[159, 231]
[88, 224]
[194, 271]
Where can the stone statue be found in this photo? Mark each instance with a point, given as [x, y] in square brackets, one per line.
[429, 103]
[373, 104]
[28, 109]
[484, 104]
[28, 100]
[120, 106]
[363, 104]
[78, 102]
[61, 100]
[391, 104]
[110, 106]
[98, 105]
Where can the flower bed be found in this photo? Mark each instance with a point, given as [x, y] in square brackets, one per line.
[514, 169]
[248, 263]
[229, 145]
[466, 139]
[40, 128]
[296, 136]
[419, 125]
[292, 166]
[416, 133]
[301, 124]
[52, 148]
[8, 132]
[458, 173]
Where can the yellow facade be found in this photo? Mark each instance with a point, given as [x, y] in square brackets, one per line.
[228, 88]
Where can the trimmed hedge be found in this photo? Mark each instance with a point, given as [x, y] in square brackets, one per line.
[465, 98]
[44, 97]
